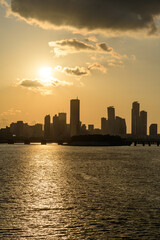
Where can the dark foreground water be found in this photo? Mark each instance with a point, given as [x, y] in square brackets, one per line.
[57, 192]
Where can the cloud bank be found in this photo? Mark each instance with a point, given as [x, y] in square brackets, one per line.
[116, 15]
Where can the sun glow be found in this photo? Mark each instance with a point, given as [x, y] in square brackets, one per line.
[45, 72]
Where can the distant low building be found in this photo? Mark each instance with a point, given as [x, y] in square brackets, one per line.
[5, 133]
[153, 129]
[90, 129]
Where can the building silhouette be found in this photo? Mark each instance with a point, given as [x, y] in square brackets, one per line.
[121, 127]
[153, 129]
[47, 126]
[143, 123]
[74, 117]
[111, 113]
[135, 118]
[104, 126]
[111, 120]
[23, 130]
[91, 129]
[55, 127]
[62, 124]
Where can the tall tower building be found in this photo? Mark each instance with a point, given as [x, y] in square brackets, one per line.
[104, 126]
[121, 127]
[143, 123]
[62, 124]
[111, 113]
[111, 120]
[56, 128]
[135, 118]
[47, 126]
[74, 117]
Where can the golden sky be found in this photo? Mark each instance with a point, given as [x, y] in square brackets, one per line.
[53, 51]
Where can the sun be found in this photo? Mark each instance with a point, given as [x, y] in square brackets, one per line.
[45, 72]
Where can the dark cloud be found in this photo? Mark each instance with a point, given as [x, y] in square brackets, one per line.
[105, 47]
[91, 14]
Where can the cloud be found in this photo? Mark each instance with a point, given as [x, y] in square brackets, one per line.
[91, 39]
[8, 116]
[115, 63]
[105, 47]
[97, 66]
[81, 71]
[67, 46]
[77, 71]
[73, 45]
[10, 112]
[43, 86]
[31, 83]
[4, 3]
[121, 15]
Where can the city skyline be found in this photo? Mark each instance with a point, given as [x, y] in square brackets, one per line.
[56, 126]
[44, 63]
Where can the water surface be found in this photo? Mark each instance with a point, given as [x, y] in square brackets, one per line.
[60, 192]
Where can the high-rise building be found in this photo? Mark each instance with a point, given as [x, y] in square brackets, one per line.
[104, 126]
[121, 128]
[143, 123]
[37, 130]
[135, 118]
[47, 126]
[111, 113]
[153, 129]
[74, 117]
[56, 127]
[62, 124]
[111, 120]
[19, 130]
[83, 130]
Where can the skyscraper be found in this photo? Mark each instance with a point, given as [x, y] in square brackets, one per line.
[111, 113]
[104, 126]
[56, 127]
[121, 127]
[74, 117]
[135, 118]
[62, 124]
[111, 120]
[143, 123]
[47, 126]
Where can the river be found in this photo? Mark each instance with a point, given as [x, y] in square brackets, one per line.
[54, 192]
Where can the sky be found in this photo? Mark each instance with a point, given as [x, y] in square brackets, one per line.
[106, 53]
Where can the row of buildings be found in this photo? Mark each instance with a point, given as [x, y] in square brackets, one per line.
[57, 127]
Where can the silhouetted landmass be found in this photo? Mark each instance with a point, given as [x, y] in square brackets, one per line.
[98, 140]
